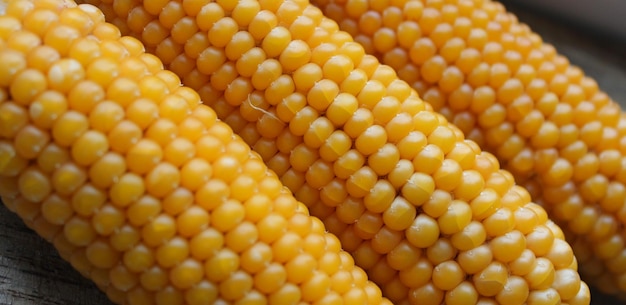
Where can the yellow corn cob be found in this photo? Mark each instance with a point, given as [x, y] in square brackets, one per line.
[429, 216]
[545, 121]
[138, 185]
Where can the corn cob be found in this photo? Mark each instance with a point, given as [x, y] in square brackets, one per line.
[546, 122]
[427, 214]
[138, 185]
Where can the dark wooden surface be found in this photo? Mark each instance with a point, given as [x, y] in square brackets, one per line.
[32, 273]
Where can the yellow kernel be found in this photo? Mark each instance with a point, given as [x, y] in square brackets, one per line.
[56, 209]
[523, 264]
[275, 42]
[433, 69]
[267, 72]
[101, 255]
[13, 118]
[371, 140]
[128, 188]
[491, 280]
[78, 231]
[186, 274]
[89, 147]
[172, 252]
[418, 188]
[455, 218]
[205, 244]
[470, 237]
[69, 127]
[210, 60]
[143, 156]
[255, 258]
[447, 275]
[87, 200]
[85, 95]
[322, 94]
[139, 259]
[143, 210]
[509, 246]
[542, 274]
[429, 159]
[294, 55]
[540, 240]
[548, 296]
[470, 186]
[68, 178]
[427, 294]
[27, 85]
[380, 197]
[64, 74]
[515, 291]
[34, 185]
[154, 279]
[462, 293]
[227, 215]
[423, 232]
[125, 237]
[448, 175]
[354, 82]
[30, 140]
[499, 223]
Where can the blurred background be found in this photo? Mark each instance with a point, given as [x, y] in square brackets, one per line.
[604, 16]
[590, 33]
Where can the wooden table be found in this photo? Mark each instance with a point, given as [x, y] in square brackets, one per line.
[32, 273]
